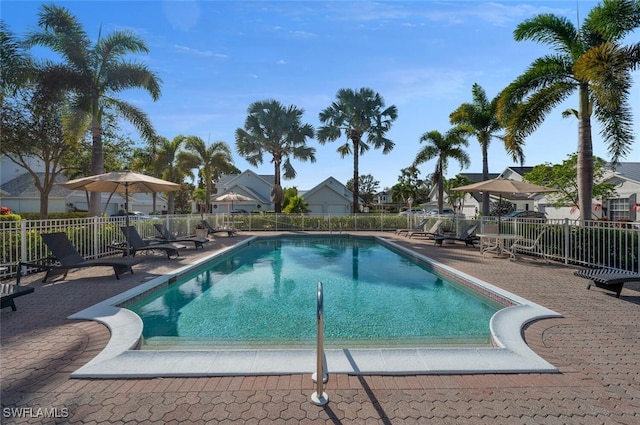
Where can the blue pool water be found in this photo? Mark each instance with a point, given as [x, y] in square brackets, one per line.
[264, 295]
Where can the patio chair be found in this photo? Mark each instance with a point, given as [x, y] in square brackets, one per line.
[419, 226]
[10, 293]
[467, 236]
[488, 243]
[136, 243]
[213, 230]
[433, 231]
[170, 237]
[532, 246]
[68, 257]
[608, 279]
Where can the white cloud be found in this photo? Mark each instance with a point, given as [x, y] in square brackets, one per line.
[196, 52]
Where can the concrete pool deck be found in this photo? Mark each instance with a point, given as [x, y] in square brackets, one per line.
[595, 347]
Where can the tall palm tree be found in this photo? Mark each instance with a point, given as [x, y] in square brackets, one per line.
[94, 74]
[580, 64]
[214, 160]
[480, 119]
[272, 128]
[175, 164]
[442, 148]
[354, 113]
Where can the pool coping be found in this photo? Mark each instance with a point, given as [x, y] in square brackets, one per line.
[121, 359]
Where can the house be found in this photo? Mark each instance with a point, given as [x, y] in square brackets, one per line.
[20, 194]
[625, 177]
[249, 184]
[328, 197]
[625, 206]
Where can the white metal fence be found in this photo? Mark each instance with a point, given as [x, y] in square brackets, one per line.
[593, 244]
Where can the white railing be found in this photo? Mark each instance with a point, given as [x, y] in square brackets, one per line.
[593, 244]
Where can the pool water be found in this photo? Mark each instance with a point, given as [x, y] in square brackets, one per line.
[265, 295]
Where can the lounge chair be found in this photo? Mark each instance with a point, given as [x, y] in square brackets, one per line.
[608, 279]
[68, 257]
[136, 243]
[10, 292]
[467, 236]
[433, 231]
[419, 226]
[533, 246]
[213, 230]
[169, 237]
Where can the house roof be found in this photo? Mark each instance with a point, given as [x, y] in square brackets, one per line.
[23, 186]
[628, 170]
[332, 184]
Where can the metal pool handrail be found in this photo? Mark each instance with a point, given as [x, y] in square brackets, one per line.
[319, 397]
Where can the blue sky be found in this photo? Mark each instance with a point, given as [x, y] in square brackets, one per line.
[217, 57]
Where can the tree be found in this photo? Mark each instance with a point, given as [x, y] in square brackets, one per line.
[368, 187]
[277, 130]
[16, 65]
[176, 165]
[214, 160]
[583, 60]
[297, 204]
[356, 113]
[442, 148]
[564, 178]
[93, 75]
[31, 129]
[456, 198]
[480, 119]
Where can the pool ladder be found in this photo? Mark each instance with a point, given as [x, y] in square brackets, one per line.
[319, 397]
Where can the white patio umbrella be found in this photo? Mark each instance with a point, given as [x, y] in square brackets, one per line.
[121, 182]
[233, 197]
[502, 186]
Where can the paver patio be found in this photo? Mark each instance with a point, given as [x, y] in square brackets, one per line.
[596, 348]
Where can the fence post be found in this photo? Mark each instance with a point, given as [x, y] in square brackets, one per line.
[566, 241]
[23, 242]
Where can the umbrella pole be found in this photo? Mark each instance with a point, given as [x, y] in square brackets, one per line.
[126, 215]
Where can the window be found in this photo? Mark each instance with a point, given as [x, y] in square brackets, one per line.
[619, 209]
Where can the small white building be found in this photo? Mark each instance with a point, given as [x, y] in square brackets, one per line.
[328, 197]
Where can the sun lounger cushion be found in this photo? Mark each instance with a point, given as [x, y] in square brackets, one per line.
[608, 279]
[10, 292]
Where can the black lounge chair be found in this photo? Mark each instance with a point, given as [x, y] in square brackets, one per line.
[68, 257]
[169, 237]
[467, 236]
[10, 292]
[419, 226]
[608, 279]
[212, 230]
[136, 243]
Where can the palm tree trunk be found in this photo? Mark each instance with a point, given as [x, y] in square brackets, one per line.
[485, 176]
[97, 166]
[356, 186]
[277, 200]
[585, 155]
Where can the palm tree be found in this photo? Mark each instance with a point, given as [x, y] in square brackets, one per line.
[278, 130]
[94, 74]
[16, 66]
[583, 58]
[480, 119]
[355, 113]
[174, 163]
[214, 160]
[443, 148]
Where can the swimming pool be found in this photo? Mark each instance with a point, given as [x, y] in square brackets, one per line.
[264, 295]
[122, 358]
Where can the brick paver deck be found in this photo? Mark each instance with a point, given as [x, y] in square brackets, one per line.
[596, 347]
